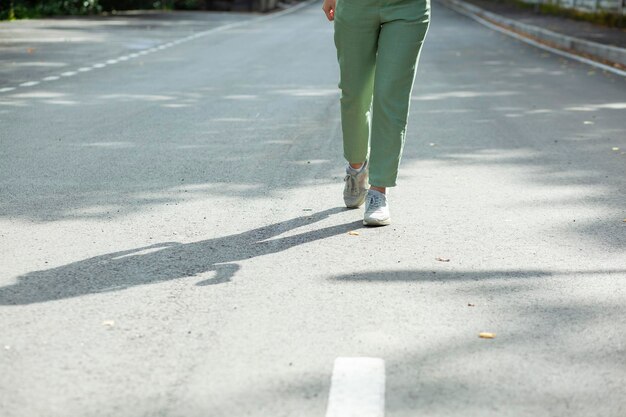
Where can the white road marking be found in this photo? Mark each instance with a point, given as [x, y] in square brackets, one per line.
[357, 388]
[164, 46]
[541, 45]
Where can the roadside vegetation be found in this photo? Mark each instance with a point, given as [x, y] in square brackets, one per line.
[26, 9]
[601, 17]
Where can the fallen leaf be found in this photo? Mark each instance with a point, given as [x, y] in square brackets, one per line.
[353, 233]
[108, 323]
[30, 50]
[432, 144]
[470, 305]
[442, 259]
[615, 148]
[486, 335]
[624, 220]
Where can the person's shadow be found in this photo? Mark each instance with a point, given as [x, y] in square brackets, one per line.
[165, 261]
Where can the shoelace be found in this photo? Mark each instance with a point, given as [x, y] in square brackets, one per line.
[351, 183]
[376, 200]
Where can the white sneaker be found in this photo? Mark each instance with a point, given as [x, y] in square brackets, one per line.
[376, 209]
[355, 188]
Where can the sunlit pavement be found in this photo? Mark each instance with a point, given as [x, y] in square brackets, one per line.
[173, 239]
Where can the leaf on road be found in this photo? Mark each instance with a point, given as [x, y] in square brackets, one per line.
[615, 148]
[471, 305]
[108, 323]
[353, 233]
[442, 259]
[486, 335]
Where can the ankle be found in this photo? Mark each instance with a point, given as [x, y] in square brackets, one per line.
[356, 165]
[379, 189]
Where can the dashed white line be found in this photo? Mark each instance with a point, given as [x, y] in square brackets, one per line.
[162, 47]
[357, 388]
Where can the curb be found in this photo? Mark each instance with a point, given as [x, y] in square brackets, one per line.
[599, 51]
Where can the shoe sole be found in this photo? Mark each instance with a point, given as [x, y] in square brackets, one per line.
[373, 222]
[358, 204]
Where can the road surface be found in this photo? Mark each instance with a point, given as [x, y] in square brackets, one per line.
[174, 243]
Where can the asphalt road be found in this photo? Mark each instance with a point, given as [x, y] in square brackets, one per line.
[173, 240]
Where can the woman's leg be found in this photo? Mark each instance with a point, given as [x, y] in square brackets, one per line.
[356, 27]
[404, 27]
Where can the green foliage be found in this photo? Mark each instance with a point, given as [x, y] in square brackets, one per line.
[190, 4]
[109, 5]
[23, 9]
[19, 9]
[600, 17]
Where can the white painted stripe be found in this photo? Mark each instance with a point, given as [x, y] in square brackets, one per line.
[167, 45]
[541, 45]
[357, 388]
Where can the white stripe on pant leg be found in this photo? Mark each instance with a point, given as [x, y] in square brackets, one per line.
[357, 388]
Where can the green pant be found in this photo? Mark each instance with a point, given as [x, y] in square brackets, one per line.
[378, 46]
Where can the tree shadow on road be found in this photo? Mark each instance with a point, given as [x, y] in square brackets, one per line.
[166, 261]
